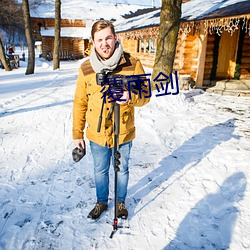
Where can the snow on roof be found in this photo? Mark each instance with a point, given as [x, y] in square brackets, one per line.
[197, 9]
[192, 10]
[85, 10]
[145, 20]
[80, 32]
[138, 2]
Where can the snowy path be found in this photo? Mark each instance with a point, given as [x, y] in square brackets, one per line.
[189, 171]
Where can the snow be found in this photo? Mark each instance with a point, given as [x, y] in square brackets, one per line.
[189, 170]
[156, 3]
[145, 20]
[86, 10]
[196, 9]
[84, 33]
[192, 10]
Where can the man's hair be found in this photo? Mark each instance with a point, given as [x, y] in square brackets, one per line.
[100, 25]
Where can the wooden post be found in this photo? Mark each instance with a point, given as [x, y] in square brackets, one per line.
[201, 60]
[144, 45]
[140, 41]
[149, 45]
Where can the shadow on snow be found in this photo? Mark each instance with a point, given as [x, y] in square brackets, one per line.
[211, 221]
[209, 225]
[23, 110]
[190, 153]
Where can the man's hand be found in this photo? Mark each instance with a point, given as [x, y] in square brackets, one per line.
[79, 151]
[124, 97]
[79, 143]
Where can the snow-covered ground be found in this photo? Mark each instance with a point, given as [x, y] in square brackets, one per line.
[189, 170]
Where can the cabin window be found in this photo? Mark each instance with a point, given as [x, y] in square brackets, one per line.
[146, 45]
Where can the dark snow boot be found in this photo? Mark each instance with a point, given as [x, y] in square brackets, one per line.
[97, 210]
[122, 211]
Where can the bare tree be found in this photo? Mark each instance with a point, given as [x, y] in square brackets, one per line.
[168, 34]
[56, 59]
[28, 33]
[36, 3]
[11, 16]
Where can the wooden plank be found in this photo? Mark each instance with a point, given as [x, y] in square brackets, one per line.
[245, 60]
[201, 60]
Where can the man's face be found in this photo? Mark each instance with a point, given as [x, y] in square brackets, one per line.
[104, 42]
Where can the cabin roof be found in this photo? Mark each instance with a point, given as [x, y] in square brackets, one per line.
[208, 9]
[193, 10]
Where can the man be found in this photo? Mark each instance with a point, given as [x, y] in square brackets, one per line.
[107, 54]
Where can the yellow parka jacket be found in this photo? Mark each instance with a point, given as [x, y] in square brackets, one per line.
[88, 101]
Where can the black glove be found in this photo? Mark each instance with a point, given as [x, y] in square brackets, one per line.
[78, 153]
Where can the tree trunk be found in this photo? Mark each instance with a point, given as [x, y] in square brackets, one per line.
[3, 57]
[167, 40]
[29, 38]
[56, 59]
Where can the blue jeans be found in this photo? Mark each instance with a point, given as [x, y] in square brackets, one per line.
[102, 156]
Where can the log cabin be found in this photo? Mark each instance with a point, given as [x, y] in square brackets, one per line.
[213, 41]
[74, 37]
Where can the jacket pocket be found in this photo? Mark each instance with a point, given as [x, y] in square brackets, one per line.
[127, 120]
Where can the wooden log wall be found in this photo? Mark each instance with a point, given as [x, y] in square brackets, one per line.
[73, 45]
[66, 44]
[79, 46]
[50, 22]
[188, 56]
[178, 61]
[185, 59]
[131, 46]
[47, 45]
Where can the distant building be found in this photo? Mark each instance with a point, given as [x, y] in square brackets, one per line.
[74, 37]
